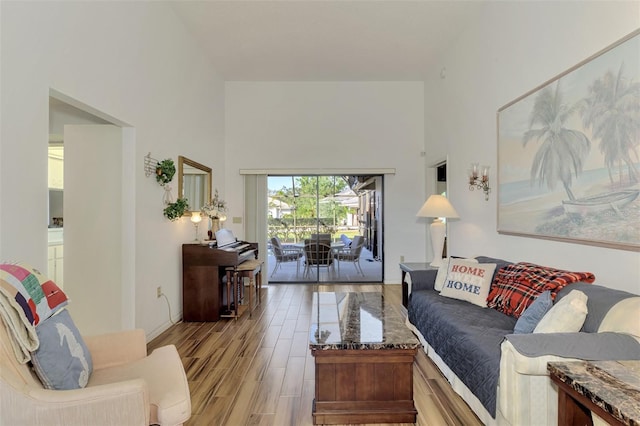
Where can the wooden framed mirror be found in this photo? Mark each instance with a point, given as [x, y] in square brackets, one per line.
[194, 183]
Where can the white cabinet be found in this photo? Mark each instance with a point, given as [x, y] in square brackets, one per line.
[56, 167]
[55, 264]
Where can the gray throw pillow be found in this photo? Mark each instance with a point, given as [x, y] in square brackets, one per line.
[534, 313]
[62, 361]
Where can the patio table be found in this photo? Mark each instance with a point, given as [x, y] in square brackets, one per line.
[335, 248]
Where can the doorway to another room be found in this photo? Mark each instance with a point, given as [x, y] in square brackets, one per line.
[89, 154]
[325, 228]
[441, 189]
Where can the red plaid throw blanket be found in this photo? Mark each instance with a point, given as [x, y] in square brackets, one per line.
[516, 286]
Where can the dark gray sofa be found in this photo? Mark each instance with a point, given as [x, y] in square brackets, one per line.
[467, 338]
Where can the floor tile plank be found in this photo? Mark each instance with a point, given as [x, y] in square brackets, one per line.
[258, 370]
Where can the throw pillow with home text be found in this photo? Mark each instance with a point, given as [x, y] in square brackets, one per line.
[468, 281]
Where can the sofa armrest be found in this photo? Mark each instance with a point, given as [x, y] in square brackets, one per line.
[523, 364]
[423, 280]
[108, 350]
[525, 393]
[531, 352]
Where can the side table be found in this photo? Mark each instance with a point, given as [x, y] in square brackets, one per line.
[411, 267]
[611, 389]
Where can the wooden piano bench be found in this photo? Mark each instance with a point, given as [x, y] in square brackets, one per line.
[251, 269]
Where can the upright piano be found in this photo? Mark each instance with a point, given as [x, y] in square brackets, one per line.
[203, 268]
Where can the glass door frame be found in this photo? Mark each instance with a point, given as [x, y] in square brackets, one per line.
[288, 204]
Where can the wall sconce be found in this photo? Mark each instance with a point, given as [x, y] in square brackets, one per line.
[196, 219]
[479, 179]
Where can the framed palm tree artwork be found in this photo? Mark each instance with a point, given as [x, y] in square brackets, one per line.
[569, 154]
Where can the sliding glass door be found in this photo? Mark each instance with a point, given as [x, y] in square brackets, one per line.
[324, 229]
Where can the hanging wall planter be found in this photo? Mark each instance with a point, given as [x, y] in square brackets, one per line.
[165, 171]
[174, 211]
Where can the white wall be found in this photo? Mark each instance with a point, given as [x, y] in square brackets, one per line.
[514, 48]
[61, 114]
[314, 125]
[133, 61]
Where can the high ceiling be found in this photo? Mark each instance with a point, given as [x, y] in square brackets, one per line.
[326, 40]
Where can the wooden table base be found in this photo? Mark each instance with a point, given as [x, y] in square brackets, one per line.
[364, 386]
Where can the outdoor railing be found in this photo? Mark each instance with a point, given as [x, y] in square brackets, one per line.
[287, 232]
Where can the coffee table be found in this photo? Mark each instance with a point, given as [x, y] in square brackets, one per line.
[364, 357]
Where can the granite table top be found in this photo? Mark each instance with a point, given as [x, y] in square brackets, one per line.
[614, 386]
[357, 321]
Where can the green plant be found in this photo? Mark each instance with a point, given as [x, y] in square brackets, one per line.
[165, 171]
[174, 211]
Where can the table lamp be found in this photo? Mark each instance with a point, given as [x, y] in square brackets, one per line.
[196, 219]
[437, 206]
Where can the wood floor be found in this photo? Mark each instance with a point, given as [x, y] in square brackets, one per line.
[259, 370]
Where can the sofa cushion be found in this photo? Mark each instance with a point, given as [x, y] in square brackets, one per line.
[423, 279]
[443, 270]
[601, 300]
[623, 317]
[345, 240]
[566, 316]
[466, 337]
[533, 314]
[62, 361]
[516, 286]
[468, 281]
[500, 263]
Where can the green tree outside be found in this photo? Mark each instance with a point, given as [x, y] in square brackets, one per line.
[315, 207]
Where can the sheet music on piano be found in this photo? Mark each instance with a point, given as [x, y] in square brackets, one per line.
[227, 241]
[224, 237]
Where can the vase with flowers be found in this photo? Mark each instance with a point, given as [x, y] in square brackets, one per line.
[215, 211]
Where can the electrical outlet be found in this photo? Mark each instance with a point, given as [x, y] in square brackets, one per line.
[401, 259]
[158, 291]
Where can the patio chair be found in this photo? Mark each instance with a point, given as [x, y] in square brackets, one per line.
[352, 254]
[321, 237]
[317, 254]
[283, 254]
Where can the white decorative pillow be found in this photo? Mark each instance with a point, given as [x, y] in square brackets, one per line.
[443, 270]
[468, 281]
[623, 317]
[566, 316]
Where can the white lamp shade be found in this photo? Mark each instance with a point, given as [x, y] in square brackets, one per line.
[437, 206]
[195, 217]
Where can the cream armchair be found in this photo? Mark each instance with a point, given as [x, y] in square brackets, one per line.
[127, 387]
